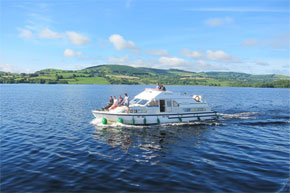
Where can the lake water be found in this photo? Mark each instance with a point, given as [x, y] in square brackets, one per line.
[50, 144]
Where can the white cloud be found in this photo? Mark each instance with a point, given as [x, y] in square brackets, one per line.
[69, 52]
[191, 54]
[13, 69]
[160, 52]
[73, 37]
[49, 34]
[279, 41]
[201, 65]
[221, 56]
[24, 33]
[271, 66]
[172, 61]
[162, 62]
[119, 60]
[77, 39]
[261, 63]
[37, 15]
[217, 56]
[250, 42]
[215, 22]
[126, 60]
[121, 44]
[143, 63]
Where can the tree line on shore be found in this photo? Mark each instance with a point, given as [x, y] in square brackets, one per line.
[120, 74]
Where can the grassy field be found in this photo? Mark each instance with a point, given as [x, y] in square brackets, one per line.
[121, 74]
[88, 80]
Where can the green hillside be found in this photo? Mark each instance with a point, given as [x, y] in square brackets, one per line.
[121, 74]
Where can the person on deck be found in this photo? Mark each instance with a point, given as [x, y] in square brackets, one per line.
[126, 101]
[115, 104]
[120, 100]
[158, 86]
[110, 103]
[162, 88]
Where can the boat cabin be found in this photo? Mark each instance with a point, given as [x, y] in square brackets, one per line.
[155, 101]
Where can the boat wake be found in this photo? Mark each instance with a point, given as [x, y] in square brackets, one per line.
[267, 122]
[243, 115]
[187, 124]
[252, 118]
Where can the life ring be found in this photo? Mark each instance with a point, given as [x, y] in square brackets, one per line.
[197, 98]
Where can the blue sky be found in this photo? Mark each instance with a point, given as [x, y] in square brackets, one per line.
[249, 36]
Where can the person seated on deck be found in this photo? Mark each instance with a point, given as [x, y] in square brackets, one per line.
[115, 104]
[120, 100]
[158, 86]
[109, 103]
[162, 88]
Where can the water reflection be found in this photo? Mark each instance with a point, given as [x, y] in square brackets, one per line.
[147, 144]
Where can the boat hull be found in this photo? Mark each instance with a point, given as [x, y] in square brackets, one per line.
[153, 119]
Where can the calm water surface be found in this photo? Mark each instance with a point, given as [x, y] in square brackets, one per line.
[49, 143]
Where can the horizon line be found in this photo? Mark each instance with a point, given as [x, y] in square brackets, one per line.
[142, 67]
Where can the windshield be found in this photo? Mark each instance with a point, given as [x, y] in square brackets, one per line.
[134, 101]
[143, 102]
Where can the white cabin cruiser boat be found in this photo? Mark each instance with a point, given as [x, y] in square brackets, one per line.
[158, 107]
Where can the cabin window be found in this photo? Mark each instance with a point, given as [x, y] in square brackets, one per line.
[142, 102]
[175, 104]
[197, 109]
[193, 109]
[153, 103]
[168, 103]
[134, 101]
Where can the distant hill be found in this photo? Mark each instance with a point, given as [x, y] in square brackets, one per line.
[121, 74]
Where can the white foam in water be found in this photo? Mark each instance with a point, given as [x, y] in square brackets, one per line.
[182, 124]
[98, 123]
[192, 123]
[243, 115]
[95, 122]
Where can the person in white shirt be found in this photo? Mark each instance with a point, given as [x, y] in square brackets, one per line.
[126, 101]
[115, 104]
